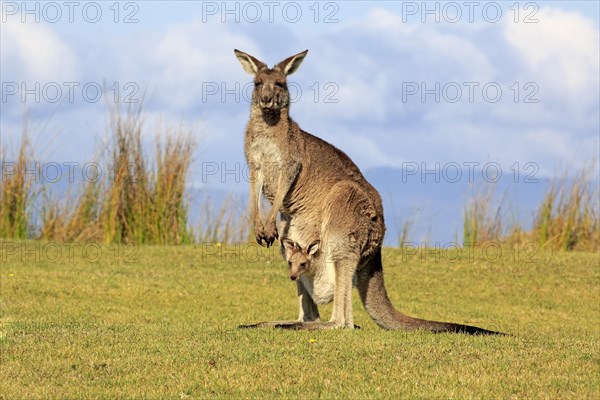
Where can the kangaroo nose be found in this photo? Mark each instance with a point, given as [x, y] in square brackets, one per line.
[293, 277]
[267, 99]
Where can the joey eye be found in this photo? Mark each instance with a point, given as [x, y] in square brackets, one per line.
[289, 263]
[303, 265]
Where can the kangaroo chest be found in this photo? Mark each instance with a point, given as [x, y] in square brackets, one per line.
[265, 157]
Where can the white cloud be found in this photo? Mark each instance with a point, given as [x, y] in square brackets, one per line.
[560, 55]
[561, 49]
[187, 56]
[364, 150]
[34, 52]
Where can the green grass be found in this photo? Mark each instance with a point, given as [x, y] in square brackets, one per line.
[160, 322]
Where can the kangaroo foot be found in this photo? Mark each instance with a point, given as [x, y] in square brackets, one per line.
[313, 325]
[268, 324]
[296, 325]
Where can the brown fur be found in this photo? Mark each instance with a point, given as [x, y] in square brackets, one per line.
[322, 194]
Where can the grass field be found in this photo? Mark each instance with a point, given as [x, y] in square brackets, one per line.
[160, 322]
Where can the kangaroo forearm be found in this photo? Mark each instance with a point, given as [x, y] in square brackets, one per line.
[255, 192]
[286, 177]
[255, 211]
[276, 207]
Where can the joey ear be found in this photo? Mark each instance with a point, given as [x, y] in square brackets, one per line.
[291, 64]
[289, 245]
[313, 247]
[251, 65]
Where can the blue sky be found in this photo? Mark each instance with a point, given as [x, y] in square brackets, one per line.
[384, 81]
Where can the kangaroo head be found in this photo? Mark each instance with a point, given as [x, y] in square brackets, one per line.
[299, 258]
[270, 84]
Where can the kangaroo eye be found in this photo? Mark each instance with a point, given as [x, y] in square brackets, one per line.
[289, 263]
[303, 265]
[280, 84]
[257, 84]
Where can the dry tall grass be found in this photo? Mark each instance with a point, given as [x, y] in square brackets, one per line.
[74, 218]
[230, 224]
[483, 218]
[16, 189]
[134, 201]
[139, 197]
[568, 218]
[143, 202]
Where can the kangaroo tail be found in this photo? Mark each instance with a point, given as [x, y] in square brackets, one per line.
[377, 303]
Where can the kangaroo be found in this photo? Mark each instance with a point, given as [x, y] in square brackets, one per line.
[319, 192]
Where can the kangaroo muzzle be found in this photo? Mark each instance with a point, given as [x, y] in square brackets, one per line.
[266, 102]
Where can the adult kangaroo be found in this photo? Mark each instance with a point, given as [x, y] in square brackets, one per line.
[321, 195]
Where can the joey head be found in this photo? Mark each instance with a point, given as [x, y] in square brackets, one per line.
[299, 258]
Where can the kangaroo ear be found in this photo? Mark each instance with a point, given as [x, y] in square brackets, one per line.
[313, 247]
[251, 65]
[291, 64]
